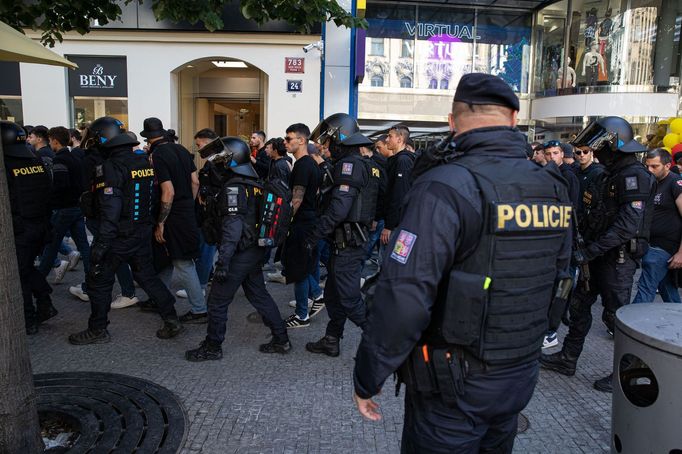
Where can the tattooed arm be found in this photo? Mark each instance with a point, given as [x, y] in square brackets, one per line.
[167, 195]
[297, 197]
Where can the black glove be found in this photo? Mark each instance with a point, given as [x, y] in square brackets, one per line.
[580, 256]
[220, 274]
[97, 252]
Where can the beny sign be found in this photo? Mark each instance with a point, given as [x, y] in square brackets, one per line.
[98, 76]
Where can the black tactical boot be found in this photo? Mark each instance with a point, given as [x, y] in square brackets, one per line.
[605, 384]
[207, 351]
[559, 362]
[171, 328]
[276, 346]
[329, 345]
[90, 336]
[46, 312]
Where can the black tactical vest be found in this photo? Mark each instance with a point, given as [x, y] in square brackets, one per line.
[353, 170]
[29, 186]
[496, 299]
[138, 190]
[243, 196]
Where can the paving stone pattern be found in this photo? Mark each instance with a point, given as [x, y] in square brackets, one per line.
[300, 403]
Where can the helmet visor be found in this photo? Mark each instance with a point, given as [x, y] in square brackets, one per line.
[323, 133]
[212, 148]
[595, 137]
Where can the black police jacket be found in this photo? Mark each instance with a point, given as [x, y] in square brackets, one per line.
[349, 177]
[440, 222]
[29, 185]
[629, 207]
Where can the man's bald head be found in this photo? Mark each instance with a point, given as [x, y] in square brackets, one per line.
[465, 117]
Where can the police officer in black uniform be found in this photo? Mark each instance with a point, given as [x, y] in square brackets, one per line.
[124, 206]
[240, 258]
[616, 230]
[28, 183]
[349, 208]
[462, 302]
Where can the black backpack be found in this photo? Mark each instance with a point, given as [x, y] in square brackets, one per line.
[276, 213]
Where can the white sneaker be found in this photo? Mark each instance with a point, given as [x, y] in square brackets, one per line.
[182, 293]
[276, 277]
[78, 292]
[60, 271]
[74, 258]
[123, 301]
[292, 303]
[551, 340]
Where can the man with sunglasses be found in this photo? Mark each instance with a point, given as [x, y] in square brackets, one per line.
[615, 225]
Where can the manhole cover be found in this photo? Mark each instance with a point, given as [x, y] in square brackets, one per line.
[523, 424]
[115, 412]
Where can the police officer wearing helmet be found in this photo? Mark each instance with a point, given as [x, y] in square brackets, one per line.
[349, 209]
[124, 205]
[240, 258]
[615, 226]
[462, 302]
[28, 183]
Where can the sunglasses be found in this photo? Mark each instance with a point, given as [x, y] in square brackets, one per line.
[289, 139]
[580, 152]
[552, 143]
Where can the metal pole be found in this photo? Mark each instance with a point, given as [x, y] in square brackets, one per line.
[567, 38]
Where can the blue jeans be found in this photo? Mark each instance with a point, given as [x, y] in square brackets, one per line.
[655, 276]
[66, 220]
[64, 249]
[307, 288]
[187, 279]
[206, 259]
[374, 236]
[123, 273]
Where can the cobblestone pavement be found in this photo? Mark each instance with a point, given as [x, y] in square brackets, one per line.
[300, 403]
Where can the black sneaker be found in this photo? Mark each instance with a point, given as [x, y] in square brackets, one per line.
[328, 345]
[316, 307]
[605, 384]
[46, 312]
[207, 351]
[275, 346]
[148, 306]
[171, 328]
[194, 319]
[559, 362]
[293, 321]
[90, 336]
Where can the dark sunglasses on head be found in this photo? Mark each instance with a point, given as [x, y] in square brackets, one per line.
[551, 143]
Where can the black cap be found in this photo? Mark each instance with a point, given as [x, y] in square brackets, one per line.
[152, 128]
[485, 89]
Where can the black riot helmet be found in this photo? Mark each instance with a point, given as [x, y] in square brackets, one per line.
[339, 129]
[609, 134]
[14, 140]
[232, 152]
[108, 132]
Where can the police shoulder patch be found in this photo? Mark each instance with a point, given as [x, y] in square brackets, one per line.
[637, 204]
[631, 184]
[99, 171]
[109, 190]
[679, 182]
[403, 246]
[347, 168]
[344, 188]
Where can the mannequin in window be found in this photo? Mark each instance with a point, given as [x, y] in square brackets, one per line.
[593, 62]
[604, 31]
[570, 80]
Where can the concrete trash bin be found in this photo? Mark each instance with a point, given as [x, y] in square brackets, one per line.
[647, 380]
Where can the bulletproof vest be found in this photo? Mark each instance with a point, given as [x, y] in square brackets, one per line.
[495, 301]
[598, 207]
[326, 185]
[629, 184]
[352, 170]
[29, 185]
[138, 190]
[94, 180]
[242, 196]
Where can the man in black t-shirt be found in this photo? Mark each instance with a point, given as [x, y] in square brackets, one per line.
[176, 232]
[665, 250]
[299, 262]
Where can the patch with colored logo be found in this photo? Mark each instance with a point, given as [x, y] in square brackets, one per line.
[631, 184]
[637, 205]
[344, 188]
[679, 182]
[109, 191]
[347, 168]
[403, 246]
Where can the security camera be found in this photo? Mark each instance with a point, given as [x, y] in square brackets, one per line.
[318, 45]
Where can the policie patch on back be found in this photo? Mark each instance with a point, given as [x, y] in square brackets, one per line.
[403, 246]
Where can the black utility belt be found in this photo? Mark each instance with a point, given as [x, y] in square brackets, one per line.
[440, 371]
[349, 234]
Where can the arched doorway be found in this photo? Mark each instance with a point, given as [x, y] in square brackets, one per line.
[226, 95]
